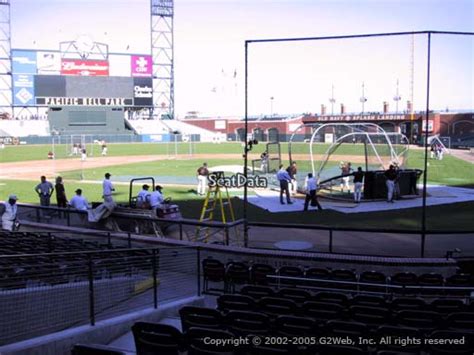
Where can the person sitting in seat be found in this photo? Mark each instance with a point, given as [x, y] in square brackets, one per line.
[156, 198]
[143, 197]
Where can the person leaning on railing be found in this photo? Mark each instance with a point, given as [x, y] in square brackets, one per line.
[9, 215]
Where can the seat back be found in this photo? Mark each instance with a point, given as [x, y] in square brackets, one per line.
[151, 338]
[200, 317]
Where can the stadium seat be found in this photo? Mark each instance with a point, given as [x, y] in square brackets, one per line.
[386, 335]
[257, 292]
[274, 307]
[196, 344]
[404, 279]
[331, 297]
[296, 295]
[319, 274]
[153, 338]
[294, 326]
[322, 311]
[452, 349]
[372, 316]
[236, 274]
[226, 303]
[408, 303]
[431, 280]
[213, 271]
[423, 320]
[462, 321]
[344, 275]
[373, 277]
[461, 281]
[200, 317]
[243, 323]
[446, 306]
[342, 329]
[290, 271]
[259, 272]
[366, 300]
[95, 349]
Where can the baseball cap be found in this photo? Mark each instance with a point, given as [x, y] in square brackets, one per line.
[145, 186]
[78, 190]
[158, 187]
[107, 174]
[12, 197]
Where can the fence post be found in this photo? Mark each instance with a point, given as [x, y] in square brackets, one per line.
[109, 243]
[226, 230]
[155, 281]
[91, 291]
[129, 239]
[198, 257]
[423, 238]
[330, 240]
[68, 217]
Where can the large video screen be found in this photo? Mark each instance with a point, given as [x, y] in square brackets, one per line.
[42, 78]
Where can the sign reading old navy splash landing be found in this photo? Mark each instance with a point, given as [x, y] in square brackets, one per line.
[23, 71]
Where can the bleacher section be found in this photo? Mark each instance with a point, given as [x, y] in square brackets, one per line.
[18, 128]
[188, 129]
[149, 126]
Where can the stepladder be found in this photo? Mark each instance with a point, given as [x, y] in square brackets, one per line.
[217, 207]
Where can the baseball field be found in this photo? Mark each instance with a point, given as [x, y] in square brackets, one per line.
[21, 166]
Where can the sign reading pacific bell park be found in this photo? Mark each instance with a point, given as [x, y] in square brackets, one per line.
[84, 101]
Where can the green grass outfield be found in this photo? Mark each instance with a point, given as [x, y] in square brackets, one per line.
[40, 151]
[449, 171]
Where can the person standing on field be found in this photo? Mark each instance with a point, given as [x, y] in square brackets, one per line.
[107, 188]
[358, 179]
[44, 190]
[202, 174]
[60, 192]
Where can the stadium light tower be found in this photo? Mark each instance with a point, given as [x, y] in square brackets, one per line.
[363, 99]
[332, 100]
[271, 106]
[397, 98]
[162, 51]
[6, 96]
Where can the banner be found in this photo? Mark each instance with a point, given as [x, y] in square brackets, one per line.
[23, 90]
[84, 67]
[23, 62]
[84, 101]
[143, 91]
[48, 63]
[142, 65]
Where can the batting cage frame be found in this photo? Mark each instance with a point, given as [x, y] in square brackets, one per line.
[428, 34]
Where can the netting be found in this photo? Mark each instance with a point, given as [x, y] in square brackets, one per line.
[323, 149]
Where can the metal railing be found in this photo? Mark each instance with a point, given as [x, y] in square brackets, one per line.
[386, 289]
[50, 292]
[232, 233]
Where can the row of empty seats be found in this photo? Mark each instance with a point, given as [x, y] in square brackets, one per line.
[238, 273]
[237, 332]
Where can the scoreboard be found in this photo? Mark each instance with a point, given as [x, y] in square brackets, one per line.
[42, 78]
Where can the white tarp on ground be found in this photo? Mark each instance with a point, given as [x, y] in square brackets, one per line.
[102, 211]
[437, 195]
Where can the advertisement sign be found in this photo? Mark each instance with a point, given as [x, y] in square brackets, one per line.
[143, 91]
[430, 126]
[84, 67]
[23, 62]
[142, 65]
[23, 89]
[84, 101]
[328, 138]
[48, 63]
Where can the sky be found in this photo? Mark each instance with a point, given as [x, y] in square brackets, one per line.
[284, 78]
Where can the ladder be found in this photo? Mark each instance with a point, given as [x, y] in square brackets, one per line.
[215, 198]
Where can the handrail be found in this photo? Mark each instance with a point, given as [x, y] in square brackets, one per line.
[352, 229]
[369, 283]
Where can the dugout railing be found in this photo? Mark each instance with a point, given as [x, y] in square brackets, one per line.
[416, 240]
